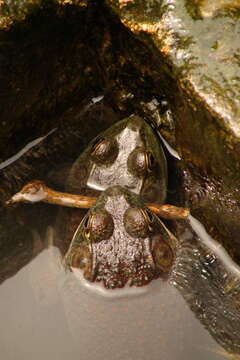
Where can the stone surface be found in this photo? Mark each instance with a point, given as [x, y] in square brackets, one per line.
[198, 44]
[13, 11]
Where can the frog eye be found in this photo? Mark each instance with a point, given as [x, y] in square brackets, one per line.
[138, 222]
[162, 254]
[140, 162]
[104, 151]
[98, 226]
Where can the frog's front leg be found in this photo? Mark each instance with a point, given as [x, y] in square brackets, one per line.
[37, 191]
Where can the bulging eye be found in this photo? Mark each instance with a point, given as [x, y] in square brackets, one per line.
[138, 222]
[104, 151]
[140, 162]
[162, 254]
[98, 226]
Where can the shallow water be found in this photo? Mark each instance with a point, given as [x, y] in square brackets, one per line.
[209, 281]
[48, 313]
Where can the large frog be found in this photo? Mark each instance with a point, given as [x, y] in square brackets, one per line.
[120, 240]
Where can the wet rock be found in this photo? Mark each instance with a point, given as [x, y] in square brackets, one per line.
[62, 82]
[197, 44]
[209, 281]
[57, 60]
[14, 11]
[174, 61]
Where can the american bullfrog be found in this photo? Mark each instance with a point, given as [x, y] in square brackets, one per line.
[120, 240]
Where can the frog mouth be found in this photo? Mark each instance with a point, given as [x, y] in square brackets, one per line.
[118, 276]
[114, 275]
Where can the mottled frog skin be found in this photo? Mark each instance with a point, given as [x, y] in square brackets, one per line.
[127, 154]
[120, 241]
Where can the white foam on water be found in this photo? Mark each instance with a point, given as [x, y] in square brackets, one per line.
[126, 291]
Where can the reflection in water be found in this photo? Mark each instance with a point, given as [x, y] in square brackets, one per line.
[210, 283]
[47, 313]
[34, 325]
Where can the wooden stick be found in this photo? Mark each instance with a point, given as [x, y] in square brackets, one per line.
[37, 191]
[169, 211]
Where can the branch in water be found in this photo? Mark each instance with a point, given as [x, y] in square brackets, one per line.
[169, 211]
[37, 191]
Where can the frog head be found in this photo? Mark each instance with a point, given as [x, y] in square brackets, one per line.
[120, 242]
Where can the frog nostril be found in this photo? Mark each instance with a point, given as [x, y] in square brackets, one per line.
[104, 151]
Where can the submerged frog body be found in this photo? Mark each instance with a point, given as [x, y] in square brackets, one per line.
[120, 241]
[127, 154]
[127, 245]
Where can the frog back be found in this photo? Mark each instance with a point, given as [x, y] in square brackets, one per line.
[127, 154]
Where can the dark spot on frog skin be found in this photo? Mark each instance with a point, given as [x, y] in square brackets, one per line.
[162, 253]
[137, 222]
[81, 258]
[127, 154]
[104, 151]
[118, 230]
[140, 162]
[98, 226]
[120, 242]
